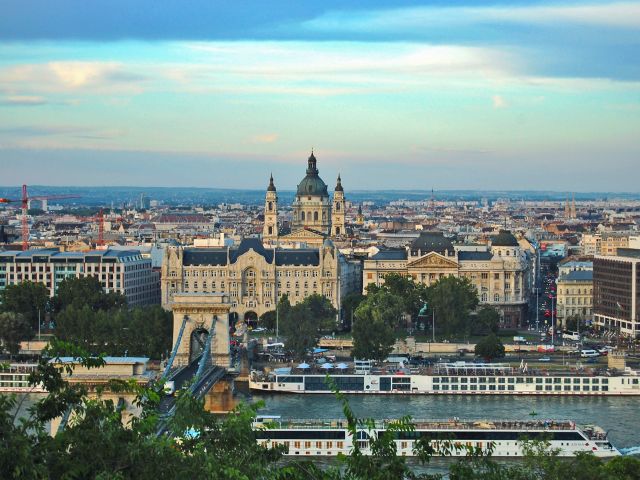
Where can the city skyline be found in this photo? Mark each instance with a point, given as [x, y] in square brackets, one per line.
[395, 95]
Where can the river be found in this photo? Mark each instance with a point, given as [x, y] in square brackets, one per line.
[619, 415]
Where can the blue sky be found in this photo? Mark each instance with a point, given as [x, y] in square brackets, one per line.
[392, 94]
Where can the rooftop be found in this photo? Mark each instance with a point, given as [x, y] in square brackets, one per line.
[577, 276]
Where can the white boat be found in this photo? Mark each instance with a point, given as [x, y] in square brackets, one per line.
[502, 438]
[457, 378]
[14, 378]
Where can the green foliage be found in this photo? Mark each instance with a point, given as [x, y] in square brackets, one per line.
[86, 291]
[349, 305]
[573, 321]
[26, 298]
[14, 328]
[413, 295]
[487, 320]
[376, 319]
[453, 299]
[268, 320]
[302, 324]
[144, 331]
[490, 347]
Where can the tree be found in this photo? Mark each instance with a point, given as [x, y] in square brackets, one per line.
[268, 320]
[490, 347]
[575, 322]
[302, 324]
[414, 295]
[487, 320]
[453, 299]
[376, 319]
[140, 331]
[86, 291]
[349, 305]
[14, 328]
[27, 298]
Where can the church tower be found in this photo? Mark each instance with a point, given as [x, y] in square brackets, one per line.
[270, 229]
[360, 216]
[337, 213]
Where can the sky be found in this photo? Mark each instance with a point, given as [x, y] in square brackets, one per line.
[391, 94]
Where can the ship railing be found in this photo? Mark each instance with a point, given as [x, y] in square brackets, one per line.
[450, 424]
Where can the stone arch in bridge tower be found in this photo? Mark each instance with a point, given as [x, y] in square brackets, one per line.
[202, 311]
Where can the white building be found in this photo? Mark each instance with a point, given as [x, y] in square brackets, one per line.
[126, 272]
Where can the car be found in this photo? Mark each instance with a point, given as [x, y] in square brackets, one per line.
[544, 359]
[259, 329]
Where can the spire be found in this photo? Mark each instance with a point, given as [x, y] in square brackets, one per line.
[271, 187]
[360, 209]
[312, 168]
[339, 184]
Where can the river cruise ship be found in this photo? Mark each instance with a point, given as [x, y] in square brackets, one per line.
[457, 378]
[14, 378]
[448, 437]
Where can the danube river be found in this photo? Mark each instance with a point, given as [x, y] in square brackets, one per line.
[619, 415]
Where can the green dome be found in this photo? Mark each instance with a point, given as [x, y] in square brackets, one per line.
[312, 184]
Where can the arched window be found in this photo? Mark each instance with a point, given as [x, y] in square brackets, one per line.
[302, 216]
[315, 216]
[496, 298]
[337, 207]
[270, 206]
[270, 230]
[484, 297]
[337, 230]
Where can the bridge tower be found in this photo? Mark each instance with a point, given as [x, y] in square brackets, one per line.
[201, 312]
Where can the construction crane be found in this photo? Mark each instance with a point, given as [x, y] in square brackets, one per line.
[26, 201]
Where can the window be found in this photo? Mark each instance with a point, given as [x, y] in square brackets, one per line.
[496, 298]
[315, 216]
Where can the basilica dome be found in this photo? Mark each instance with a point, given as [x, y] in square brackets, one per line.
[312, 184]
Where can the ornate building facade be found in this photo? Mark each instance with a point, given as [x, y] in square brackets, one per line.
[255, 278]
[499, 273]
[315, 215]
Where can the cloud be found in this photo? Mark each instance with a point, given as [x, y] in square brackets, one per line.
[69, 76]
[499, 102]
[265, 138]
[23, 100]
[619, 15]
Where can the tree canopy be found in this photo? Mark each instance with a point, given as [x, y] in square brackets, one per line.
[376, 320]
[487, 320]
[302, 324]
[490, 348]
[413, 294]
[453, 300]
[26, 298]
[144, 331]
[14, 328]
[86, 291]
